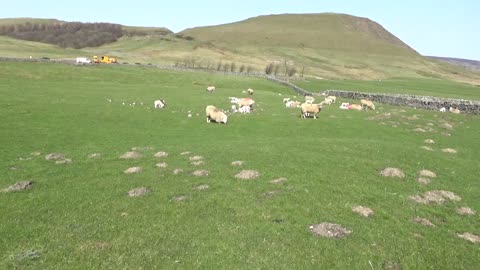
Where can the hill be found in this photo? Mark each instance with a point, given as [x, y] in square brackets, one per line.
[466, 63]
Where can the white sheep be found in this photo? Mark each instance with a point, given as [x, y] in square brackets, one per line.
[454, 110]
[233, 100]
[211, 88]
[367, 104]
[215, 114]
[357, 107]
[443, 109]
[233, 109]
[245, 102]
[293, 104]
[285, 100]
[244, 109]
[333, 98]
[250, 91]
[307, 109]
[309, 99]
[158, 104]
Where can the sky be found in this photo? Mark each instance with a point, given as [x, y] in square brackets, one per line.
[445, 28]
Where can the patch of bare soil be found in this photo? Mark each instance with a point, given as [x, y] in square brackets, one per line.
[142, 148]
[363, 211]
[63, 161]
[237, 163]
[185, 153]
[392, 172]
[330, 230]
[161, 165]
[424, 180]
[197, 163]
[55, 156]
[94, 155]
[427, 173]
[427, 148]
[200, 173]
[446, 126]
[195, 158]
[465, 211]
[247, 174]
[435, 197]
[449, 150]
[131, 155]
[388, 265]
[160, 154]
[177, 171]
[280, 180]
[179, 198]
[429, 141]
[271, 193]
[133, 170]
[19, 186]
[138, 192]
[470, 237]
[202, 187]
[423, 221]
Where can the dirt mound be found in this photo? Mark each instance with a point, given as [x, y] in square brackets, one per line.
[197, 163]
[195, 158]
[94, 155]
[427, 173]
[465, 211]
[247, 174]
[435, 197]
[19, 186]
[424, 180]
[160, 154]
[423, 221]
[237, 163]
[161, 165]
[449, 150]
[137, 192]
[63, 161]
[363, 211]
[202, 187]
[280, 180]
[177, 171]
[429, 141]
[470, 237]
[392, 172]
[133, 170]
[131, 155]
[200, 173]
[330, 230]
[55, 156]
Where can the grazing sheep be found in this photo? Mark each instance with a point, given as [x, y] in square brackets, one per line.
[210, 88]
[244, 109]
[245, 102]
[215, 114]
[307, 109]
[454, 110]
[357, 107]
[309, 99]
[333, 98]
[285, 100]
[293, 104]
[160, 103]
[344, 106]
[443, 109]
[250, 91]
[367, 104]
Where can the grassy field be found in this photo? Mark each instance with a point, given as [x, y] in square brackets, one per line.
[414, 86]
[77, 216]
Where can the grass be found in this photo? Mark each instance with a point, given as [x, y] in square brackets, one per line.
[77, 215]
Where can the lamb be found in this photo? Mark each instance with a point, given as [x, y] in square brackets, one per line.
[443, 109]
[244, 109]
[308, 109]
[211, 88]
[285, 100]
[245, 102]
[367, 104]
[309, 99]
[250, 91]
[215, 114]
[333, 98]
[452, 110]
[357, 107]
[292, 104]
[326, 102]
[160, 103]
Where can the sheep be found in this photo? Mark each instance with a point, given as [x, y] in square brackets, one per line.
[245, 102]
[244, 109]
[210, 88]
[233, 109]
[160, 103]
[233, 100]
[357, 107]
[307, 109]
[333, 98]
[454, 110]
[250, 91]
[292, 104]
[285, 100]
[326, 102]
[443, 109]
[367, 104]
[215, 114]
[309, 99]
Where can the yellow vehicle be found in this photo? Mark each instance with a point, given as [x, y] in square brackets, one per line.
[104, 59]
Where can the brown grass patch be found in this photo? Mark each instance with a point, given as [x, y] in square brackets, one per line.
[449, 150]
[133, 170]
[35, 154]
[435, 197]
[160, 154]
[19, 186]
[280, 180]
[197, 163]
[465, 211]
[330, 230]
[55, 156]
[419, 130]
[63, 161]
[470, 237]
[247, 174]
[424, 180]
[195, 158]
[363, 211]
[427, 148]
[423, 221]
[271, 193]
[202, 187]
[161, 165]
[142, 148]
[177, 171]
[392, 172]
[427, 173]
[94, 155]
[200, 173]
[237, 163]
[185, 153]
[180, 198]
[429, 141]
[138, 192]
[446, 126]
[131, 155]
